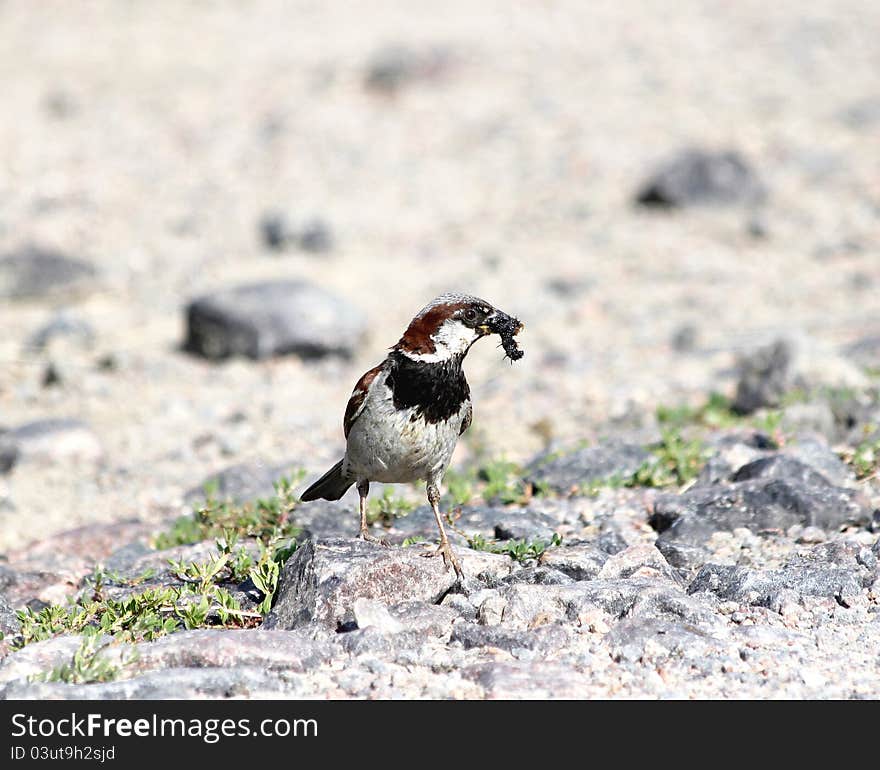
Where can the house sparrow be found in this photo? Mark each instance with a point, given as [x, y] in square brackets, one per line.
[405, 415]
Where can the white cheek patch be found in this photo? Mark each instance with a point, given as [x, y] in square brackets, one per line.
[455, 337]
[451, 339]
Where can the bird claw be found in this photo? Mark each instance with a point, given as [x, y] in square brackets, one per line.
[364, 535]
[449, 558]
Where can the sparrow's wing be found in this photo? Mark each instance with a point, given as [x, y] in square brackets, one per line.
[359, 398]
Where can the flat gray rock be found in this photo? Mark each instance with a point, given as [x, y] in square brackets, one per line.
[564, 471]
[322, 580]
[34, 273]
[9, 624]
[270, 650]
[239, 681]
[580, 562]
[273, 318]
[242, 482]
[695, 176]
[544, 640]
[643, 560]
[765, 376]
[50, 440]
[651, 640]
[536, 680]
[760, 504]
[498, 522]
[757, 587]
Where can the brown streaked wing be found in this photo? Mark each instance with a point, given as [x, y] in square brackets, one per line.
[358, 395]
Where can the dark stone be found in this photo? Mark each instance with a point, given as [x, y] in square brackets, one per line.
[545, 639]
[765, 376]
[863, 114]
[653, 640]
[611, 542]
[526, 525]
[278, 233]
[375, 643]
[48, 440]
[275, 230]
[822, 458]
[51, 376]
[321, 581]
[62, 326]
[241, 483]
[537, 680]
[8, 453]
[325, 518]
[684, 340]
[562, 473]
[757, 587]
[315, 237]
[665, 602]
[395, 66]
[528, 603]
[696, 176]
[645, 558]
[540, 575]
[272, 318]
[758, 505]
[780, 466]
[737, 457]
[682, 555]
[34, 273]
[9, 624]
[579, 562]
[842, 552]
[423, 618]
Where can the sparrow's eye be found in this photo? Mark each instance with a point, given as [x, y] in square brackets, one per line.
[470, 314]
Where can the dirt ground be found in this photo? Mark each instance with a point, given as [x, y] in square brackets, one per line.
[149, 139]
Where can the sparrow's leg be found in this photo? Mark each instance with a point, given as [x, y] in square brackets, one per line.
[363, 488]
[444, 549]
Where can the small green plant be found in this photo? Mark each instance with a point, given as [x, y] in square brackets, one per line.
[503, 482]
[520, 551]
[718, 413]
[265, 578]
[865, 458]
[88, 665]
[460, 486]
[676, 461]
[412, 540]
[388, 507]
[592, 488]
[202, 600]
[261, 519]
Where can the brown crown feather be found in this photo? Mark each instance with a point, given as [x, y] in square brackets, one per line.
[418, 337]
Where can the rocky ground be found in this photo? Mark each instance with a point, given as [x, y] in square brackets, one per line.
[674, 494]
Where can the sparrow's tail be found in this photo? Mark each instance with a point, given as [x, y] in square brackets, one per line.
[331, 486]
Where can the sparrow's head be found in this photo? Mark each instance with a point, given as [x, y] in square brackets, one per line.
[447, 327]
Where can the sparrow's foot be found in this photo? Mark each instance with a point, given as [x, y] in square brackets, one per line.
[365, 535]
[449, 558]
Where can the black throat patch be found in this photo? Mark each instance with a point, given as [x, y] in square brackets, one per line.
[437, 390]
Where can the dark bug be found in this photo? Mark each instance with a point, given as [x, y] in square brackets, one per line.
[507, 328]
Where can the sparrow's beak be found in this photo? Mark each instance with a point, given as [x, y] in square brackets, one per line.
[501, 323]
